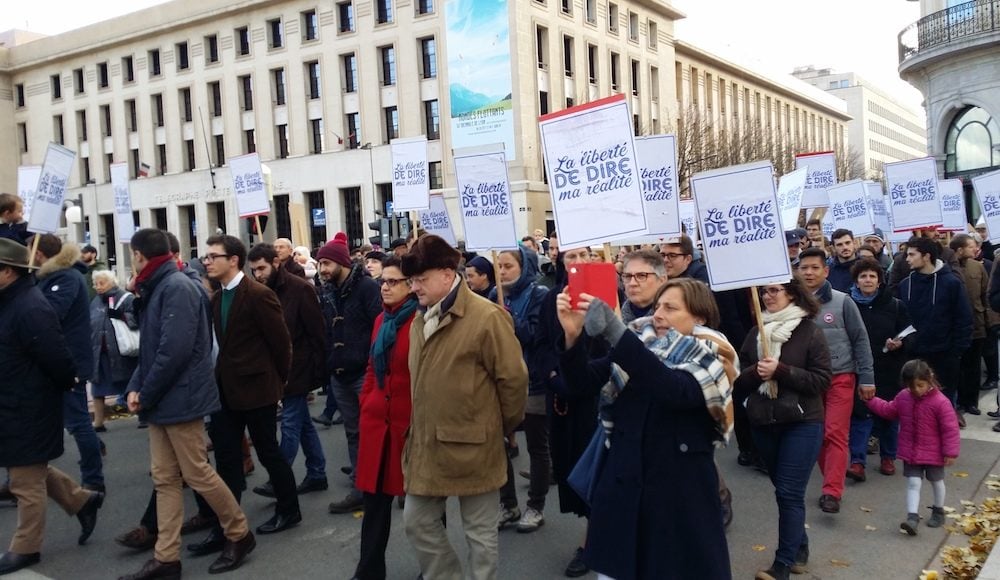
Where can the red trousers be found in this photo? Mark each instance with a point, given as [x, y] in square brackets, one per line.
[834, 454]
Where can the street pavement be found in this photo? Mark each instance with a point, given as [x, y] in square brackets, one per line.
[862, 541]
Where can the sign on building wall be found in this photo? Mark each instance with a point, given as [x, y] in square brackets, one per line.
[479, 73]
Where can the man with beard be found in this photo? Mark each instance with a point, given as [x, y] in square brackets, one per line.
[304, 320]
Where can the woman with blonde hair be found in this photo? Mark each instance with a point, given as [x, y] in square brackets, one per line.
[113, 369]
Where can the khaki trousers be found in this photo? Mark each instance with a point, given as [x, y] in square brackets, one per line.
[30, 484]
[178, 454]
[427, 535]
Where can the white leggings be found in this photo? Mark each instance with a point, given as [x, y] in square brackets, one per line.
[913, 494]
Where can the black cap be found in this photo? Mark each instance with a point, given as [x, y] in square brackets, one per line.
[88, 249]
[792, 238]
[397, 243]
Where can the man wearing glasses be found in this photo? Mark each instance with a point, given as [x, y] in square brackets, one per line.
[643, 274]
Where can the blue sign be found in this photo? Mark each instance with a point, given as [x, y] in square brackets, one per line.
[388, 209]
[319, 216]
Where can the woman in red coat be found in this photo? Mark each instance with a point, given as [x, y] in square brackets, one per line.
[385, 417]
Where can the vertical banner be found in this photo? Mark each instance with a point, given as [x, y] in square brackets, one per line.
[737, 210]
[410, 179]
[479, 73]
[484, 192]
[849, 207]
[689, 220]
[435, 220]
[124, 222]
[791, 186]
[593, 176]
[47, 208]
[657, 157]
[880, 213]
[988, 192]
[913, 193]
[822, 174]
[27, 181]
[952, 196]
[248, 185]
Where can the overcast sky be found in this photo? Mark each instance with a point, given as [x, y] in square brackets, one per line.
[847, 35]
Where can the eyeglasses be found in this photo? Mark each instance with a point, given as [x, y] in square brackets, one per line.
[213, 257]
[393, 282]
[672, 255]
[639, 277]
[772, 291]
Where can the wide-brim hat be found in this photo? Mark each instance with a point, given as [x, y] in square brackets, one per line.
[13, 253]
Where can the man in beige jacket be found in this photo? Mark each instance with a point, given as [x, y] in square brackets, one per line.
[469, 386]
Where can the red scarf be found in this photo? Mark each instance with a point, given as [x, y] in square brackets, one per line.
[151, 266]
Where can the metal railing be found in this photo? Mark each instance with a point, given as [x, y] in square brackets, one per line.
[960, 22]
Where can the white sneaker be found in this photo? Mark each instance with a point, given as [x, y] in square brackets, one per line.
[508, 516]
[530, 521]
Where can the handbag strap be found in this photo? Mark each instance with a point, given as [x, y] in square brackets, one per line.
[118, 302]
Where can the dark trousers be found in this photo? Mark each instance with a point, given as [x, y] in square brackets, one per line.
[990, 354]
[536, 431]
[150, 522]
[741, 424]
[375, 529]
[971, 374]
[948, 370]
[226, 431]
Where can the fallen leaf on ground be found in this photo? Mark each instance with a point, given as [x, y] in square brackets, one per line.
[867, 510]
[928, 575]
[758, 548]
[840, 563]
[871, 528]
[967, 502]
[961, 474]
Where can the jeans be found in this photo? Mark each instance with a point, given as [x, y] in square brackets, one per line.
[886, 431]
[330, 409]
[537, 434]
[789, 451]
[296, 428]
[350, 410]
[76, 420]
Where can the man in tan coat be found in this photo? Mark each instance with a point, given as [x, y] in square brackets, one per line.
[469, 386]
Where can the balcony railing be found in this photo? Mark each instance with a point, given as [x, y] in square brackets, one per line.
[961, 22]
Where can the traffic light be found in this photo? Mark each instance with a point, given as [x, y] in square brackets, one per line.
[404, 226]
[381, 227]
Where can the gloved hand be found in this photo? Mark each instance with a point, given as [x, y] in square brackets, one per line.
[601, 321]
[116, 314]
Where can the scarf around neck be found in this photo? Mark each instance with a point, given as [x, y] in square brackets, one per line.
[392, 321]
[152, 266]
[778, 327]
[860, 298]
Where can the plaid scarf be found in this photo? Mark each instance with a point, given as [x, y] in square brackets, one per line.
[703, 357]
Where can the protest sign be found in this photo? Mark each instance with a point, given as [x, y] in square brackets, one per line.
[952, 196]
[484, 194]
[27, 181]
[689, 221]
[435, 220]
[248, 185]
[913, 193]
[988, 192]
[592, 170]
[737, 211]
[876, 201]
[849, 207]
[791, 186]
[822, 174]
[410, 175]
[46, 210]
[657, 157]
[124, 222]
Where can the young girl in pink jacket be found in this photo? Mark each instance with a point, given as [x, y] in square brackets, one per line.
[928, 437]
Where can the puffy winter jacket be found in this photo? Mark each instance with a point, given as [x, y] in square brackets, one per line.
[928, 427]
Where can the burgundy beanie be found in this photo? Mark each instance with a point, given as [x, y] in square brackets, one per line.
[336, 251]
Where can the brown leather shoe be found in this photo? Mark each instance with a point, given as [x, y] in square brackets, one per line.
[138, 539]
[156, 569]
[196, 523]
[233, 554]
[888, 467]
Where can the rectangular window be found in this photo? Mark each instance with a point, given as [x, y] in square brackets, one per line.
[615, 71]
[432, 120]
[425, 6]
[158, 110]
[55, 82]
[249, 142]
[312, 73]
[592, 65]
[636, 125]
[315, 201]
[590, 8]
[103, 79]
[383, 11]
[211, 48]
[435, 177]
[215, 93]
[345, 17]
[131, 116]
[566, 6]
[428, 57]
[106, 120]
[635, 77]
[281, 136]
[275, 34]
[316, 136]
[19, 95]
[568, 56]
[78, 81]
[133, 163]
[160, 218]
[246, 92]
[350, 73]
[352, 216]
[186, 113]
[153, 61]
[391, 123]
[310, 25]
[189, 155]
[81, 125]
[542, 47]
[278, 82]
[22, 137]
[633, 26]
[242, 35]
[161, 159]
[58, 134]
[388, 57]
[612, 18]
[181, 55]
[543, 103]
[220, 150]
[569, 102]
[654, 85]
[128, 69]
[85, 171]
[108, 160]
[652, 35]
[353, 130]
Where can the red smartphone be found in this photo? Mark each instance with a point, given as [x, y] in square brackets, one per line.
[598, 279]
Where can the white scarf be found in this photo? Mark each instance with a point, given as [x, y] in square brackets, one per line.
[432, 317]
[778, 327]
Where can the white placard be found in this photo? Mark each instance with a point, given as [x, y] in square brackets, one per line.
[435, 220]
[484, 199]
[410, 175]
[47, 208]
[828, 226]
[951, 193]
[737, 211]
[248, 185]
[822, 174]
[891, 234]
[27, 181]
[849, 207]
[593, 174]
[689, 219]
[913, 194]
[988, 193]
[791, 187]
[657, 156]
[124, 223]
[880, 212]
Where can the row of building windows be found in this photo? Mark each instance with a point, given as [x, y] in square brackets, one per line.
[877, 146]
[384, 10]
[880, 129]
[613, 19]
[593, 64]
[877, 109]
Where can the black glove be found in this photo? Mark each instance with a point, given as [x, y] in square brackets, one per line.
[116, 314]
[601, 321]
